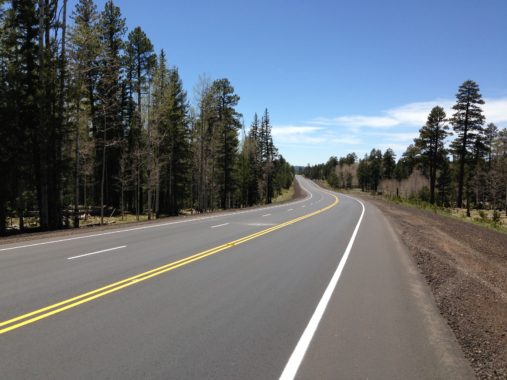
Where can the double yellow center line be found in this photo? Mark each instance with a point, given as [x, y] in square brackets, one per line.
[45, 312]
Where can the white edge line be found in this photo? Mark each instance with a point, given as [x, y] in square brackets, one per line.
[94, 253]
[220, 225]
[158, 225]
[295, 360]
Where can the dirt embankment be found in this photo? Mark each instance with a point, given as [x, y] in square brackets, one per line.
[466, 267]
[298, 191]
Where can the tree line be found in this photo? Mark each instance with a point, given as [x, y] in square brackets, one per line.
[92, 118]
[468, 170]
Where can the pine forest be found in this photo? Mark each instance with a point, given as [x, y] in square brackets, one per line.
[94, 122]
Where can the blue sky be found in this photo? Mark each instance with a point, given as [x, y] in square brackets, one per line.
[336, 76]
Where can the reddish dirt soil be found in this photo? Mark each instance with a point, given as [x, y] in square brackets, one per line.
[465, 266]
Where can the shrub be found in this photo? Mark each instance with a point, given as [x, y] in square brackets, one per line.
[496, 217]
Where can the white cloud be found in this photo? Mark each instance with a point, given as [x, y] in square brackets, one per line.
[412, 114]
[297, 134]
[394, 128]
[311, 135]
[396, 136]
[416, 113]
[290, 130]
[345, 140]
[496, 110]
[356, 121]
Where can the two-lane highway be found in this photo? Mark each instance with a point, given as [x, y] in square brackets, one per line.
[319, 287]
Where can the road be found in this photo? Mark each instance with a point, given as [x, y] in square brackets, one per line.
[316, 288]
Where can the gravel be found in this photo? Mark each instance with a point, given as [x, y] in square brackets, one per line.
[465, 266]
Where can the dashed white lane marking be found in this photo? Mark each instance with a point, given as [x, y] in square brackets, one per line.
[158, 225]
[303, 206]
[220, 225]
[266, 215]
[291, 209]
[96, 252]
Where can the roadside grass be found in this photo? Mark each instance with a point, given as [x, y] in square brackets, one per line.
[496, 220]
[286, 195]
[487, 218]
[128, 218]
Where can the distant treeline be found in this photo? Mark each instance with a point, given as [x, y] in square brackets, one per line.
[91, 117]
[468, 169]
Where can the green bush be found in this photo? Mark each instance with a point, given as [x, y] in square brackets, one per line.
[424, 194]
[496, 217]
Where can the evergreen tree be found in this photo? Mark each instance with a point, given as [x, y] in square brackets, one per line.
[431, 144]
[268, 154]
[375, 166]
[98, 122]
[444, 183]
[174, 149]
[140, 62]
[490, 134]
[407, 163]
[363, 173]
[110, 129]
[467, 123]
[253, 162]
[388, 164]
[84, 52]
[226, 126]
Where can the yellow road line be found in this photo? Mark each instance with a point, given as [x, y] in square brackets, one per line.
[45, 312]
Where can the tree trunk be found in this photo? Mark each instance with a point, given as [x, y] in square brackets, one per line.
[468, 203]
[138, 190]
[103, 176]
[40, 153]
[122, 200]
[76, 194]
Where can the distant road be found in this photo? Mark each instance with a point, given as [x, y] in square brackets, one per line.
[318, 288]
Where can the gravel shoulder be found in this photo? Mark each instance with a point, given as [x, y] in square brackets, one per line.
[465, 266]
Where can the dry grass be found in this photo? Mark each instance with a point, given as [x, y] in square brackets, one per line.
[286, 195]
[128, 218]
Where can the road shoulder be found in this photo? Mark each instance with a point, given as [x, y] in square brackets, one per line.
[465, 267]
[382, 321]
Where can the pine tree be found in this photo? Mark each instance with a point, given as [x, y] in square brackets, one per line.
[110, 130]
[375, 166]
[388, 164]
[363, 173]
[175, 145]
[140, 62]
[467, 122]
[84, 53]
[225, 134]
[431, 144]
[4, 121]
[253, 162]
[203, 150]
[444, 182]
[268, 154]
[490, 134]
[34, 68]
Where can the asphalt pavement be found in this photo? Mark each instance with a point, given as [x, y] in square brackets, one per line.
[316, 288]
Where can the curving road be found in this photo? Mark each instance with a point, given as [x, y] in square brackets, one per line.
[317, 288]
